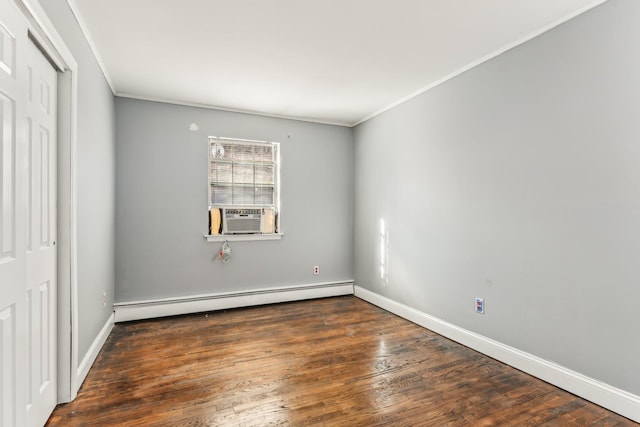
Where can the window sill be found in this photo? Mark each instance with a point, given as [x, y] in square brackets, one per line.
[242, 237]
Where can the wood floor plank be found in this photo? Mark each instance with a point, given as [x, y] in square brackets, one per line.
[329, 362]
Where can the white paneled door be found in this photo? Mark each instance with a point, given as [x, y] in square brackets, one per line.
[41, 237]
[27, 226]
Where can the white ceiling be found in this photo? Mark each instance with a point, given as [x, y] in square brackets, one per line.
[330, 61]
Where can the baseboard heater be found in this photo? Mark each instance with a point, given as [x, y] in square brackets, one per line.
[149, 309]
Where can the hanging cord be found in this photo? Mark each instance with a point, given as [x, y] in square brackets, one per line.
[225, 252]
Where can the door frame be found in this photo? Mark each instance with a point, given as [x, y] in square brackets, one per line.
[46, 37]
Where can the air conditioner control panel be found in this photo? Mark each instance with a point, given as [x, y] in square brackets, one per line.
[244, 211]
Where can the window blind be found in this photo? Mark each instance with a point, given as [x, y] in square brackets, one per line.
[242, 173]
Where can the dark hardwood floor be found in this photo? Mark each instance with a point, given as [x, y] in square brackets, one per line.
[329, 362]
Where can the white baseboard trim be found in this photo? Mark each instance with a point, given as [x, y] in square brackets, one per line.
[612, 398]
[94, 350]
[138, 310]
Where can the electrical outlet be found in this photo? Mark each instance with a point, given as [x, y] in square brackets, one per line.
[479, 305]
[316, 270]
[104, 299]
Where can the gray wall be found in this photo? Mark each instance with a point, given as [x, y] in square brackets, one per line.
[95, 179]
[519, 182]
[161, 187]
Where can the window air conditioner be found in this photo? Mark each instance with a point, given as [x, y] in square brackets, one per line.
[248, 220]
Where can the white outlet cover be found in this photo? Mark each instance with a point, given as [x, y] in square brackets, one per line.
[479, 305]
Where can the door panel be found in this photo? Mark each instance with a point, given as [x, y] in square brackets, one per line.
[28, 286]
[41, 249]
[13, 45]
[8, 200]
[8, 366]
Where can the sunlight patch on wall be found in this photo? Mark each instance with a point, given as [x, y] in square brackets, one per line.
[384, 253]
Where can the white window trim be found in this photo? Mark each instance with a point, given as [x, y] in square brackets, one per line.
[249, 237]
[241, 237]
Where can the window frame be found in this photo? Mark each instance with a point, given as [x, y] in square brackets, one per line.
[275, 146]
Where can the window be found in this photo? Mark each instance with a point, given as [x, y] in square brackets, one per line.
[243, 186]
